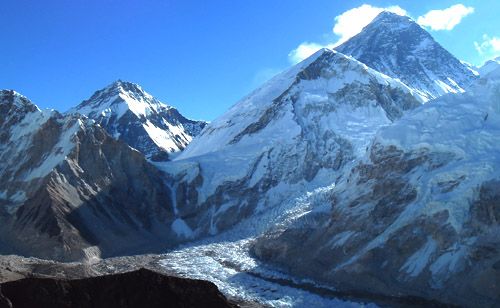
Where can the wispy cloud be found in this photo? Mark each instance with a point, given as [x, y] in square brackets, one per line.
[351, 22]
[264, 75]
[445, 19]
[347, 25]
[305, 50]
[489, 47]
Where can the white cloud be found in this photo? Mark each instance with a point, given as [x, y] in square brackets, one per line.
[304, 50]
[264, 75]
[489, 47]
[351, 22]
[347, 25]
[445, 19]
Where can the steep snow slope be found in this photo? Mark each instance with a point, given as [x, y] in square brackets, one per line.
[68, 191]
[418, 215]
[293, 134]
[398, 47]
[130, 114]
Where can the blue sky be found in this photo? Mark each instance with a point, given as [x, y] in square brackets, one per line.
[200, 56]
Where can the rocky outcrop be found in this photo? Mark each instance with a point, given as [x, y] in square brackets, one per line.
[141, 288]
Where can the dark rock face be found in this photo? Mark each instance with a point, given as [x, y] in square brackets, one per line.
[487, 207]
[141, 288]
[398, 47]
[4, 301]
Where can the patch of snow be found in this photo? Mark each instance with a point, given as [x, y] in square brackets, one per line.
[58, 154]
[165, 138]
[180, 227]
[419, 260]
[448, 263]
[340, 239]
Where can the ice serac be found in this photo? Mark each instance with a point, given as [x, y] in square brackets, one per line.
[419, 215]
[398, 47]
[69, 191]
[293, 134]
[132, 115]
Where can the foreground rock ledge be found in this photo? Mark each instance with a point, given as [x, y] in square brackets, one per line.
[141, 288]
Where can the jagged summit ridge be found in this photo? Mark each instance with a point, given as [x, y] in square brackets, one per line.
[130, 114]
[10, 99]
[392, 18]
[119, 97]
[400, 48]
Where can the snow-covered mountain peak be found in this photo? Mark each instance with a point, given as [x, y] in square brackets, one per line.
[389, 18]
[118, 98]
[134, 116]
[12, 100]
[132, 90]
[400, 48]
[392, 23]
[326, 80]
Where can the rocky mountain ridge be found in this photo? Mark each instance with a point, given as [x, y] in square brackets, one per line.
[69, 191]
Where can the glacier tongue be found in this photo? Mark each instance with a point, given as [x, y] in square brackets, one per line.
[226, 261]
